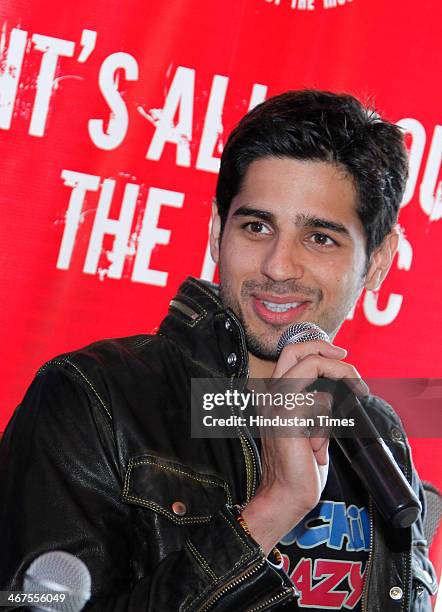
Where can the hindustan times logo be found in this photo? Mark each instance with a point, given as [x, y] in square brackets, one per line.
[310, 5]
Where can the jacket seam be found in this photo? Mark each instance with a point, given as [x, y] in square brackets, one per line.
[199, 478]
[207, 590]
[181, 318]
[200, 317]
[201, 561]
[240, 538]
[194, 302]
[143, 342]
[199, 310]
[77, 369]
[204, 290]
[97, 401]
[191, 359]
[186, 520]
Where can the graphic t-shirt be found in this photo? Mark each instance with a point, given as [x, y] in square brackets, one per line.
[326, 554]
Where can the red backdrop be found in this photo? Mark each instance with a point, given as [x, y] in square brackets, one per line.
[112, 120]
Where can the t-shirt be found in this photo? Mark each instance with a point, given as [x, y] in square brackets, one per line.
[326, 554]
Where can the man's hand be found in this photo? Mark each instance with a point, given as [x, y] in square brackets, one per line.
[294, 469]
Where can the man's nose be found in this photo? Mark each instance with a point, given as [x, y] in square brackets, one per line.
[283, 260]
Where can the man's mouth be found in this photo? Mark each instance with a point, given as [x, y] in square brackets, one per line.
[278, 310]
[274, 307]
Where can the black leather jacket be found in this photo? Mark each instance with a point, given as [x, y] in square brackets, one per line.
[99, 450]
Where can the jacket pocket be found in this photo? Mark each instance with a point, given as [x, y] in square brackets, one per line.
[181, 494]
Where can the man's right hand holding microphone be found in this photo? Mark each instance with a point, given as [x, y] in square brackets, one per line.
[294, 469]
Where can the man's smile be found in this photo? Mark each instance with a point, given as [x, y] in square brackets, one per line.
[279, 310]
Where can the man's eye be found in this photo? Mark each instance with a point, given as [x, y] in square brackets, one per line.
[256, 227]
[322, 240]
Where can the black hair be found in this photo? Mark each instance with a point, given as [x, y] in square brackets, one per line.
[323, 126]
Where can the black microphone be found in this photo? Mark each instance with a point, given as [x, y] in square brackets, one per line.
[368, 454]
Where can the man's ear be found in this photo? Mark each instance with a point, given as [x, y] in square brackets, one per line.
[381, 260]
[215, 233]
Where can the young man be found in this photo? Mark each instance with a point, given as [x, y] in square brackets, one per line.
[98, 460]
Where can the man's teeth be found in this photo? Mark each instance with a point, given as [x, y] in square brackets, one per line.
[280, 307]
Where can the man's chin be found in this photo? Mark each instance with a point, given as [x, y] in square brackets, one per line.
[265, 350]
[258, 349]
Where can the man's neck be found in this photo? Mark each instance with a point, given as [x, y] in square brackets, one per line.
[260, 368]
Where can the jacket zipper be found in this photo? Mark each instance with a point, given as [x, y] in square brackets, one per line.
[249, 458]
[230, 585]
[408, 587]
[248, 446]
[233, 583]
[286, 594]
[370, 557]
[252, 488]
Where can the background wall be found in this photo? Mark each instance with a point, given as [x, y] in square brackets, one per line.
[112, 121]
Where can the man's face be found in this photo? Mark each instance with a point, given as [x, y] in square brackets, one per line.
[292, 249]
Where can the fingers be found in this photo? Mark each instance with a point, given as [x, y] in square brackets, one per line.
[293, 353]
[316, 366]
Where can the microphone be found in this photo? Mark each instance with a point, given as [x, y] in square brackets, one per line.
[368, 455]
[62, 580]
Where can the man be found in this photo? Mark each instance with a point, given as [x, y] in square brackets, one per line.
[98, 460]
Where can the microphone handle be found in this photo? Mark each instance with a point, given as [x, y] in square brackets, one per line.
[372, 460]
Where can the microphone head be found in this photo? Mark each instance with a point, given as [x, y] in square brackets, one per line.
[58, 572]
[300, 332]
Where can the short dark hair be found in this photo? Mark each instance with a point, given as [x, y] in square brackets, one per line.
[323, 126]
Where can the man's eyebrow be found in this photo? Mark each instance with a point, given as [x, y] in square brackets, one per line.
[248, 211]
[302, 219]
[305, 220]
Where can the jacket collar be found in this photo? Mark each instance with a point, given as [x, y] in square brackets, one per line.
[209, 334]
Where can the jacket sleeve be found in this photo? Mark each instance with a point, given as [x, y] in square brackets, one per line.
[424, 580]
[60, 488]
[423, 577]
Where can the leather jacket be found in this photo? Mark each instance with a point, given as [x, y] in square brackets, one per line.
[96, 457]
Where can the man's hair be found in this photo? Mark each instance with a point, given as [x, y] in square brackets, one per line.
[323, 126]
